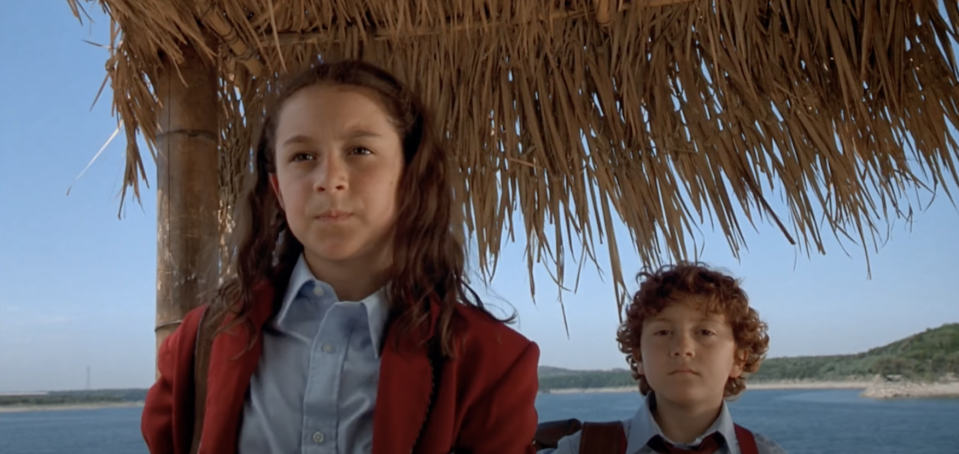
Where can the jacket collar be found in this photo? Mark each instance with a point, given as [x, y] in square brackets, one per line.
[403, 393]
[643, 427]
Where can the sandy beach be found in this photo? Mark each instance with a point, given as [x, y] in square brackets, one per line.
[803, 384]
[908, 390]
[33, 408]
[593, 390]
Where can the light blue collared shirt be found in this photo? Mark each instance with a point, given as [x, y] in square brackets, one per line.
[314, 389]
[642, 428]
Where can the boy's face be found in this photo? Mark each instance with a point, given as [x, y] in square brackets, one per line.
[688, 354]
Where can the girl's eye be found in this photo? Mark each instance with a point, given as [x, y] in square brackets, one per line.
[707, 332]
[361, 150]
[661, 332]
[301, 157]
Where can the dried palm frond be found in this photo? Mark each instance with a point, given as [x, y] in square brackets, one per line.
[579, 113]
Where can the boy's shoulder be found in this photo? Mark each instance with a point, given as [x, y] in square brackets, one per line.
[766, 445]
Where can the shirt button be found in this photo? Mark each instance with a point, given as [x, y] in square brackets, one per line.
[328, 348]
[318, 290]
[318, 437]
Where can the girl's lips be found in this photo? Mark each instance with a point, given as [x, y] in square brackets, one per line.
[334, 216]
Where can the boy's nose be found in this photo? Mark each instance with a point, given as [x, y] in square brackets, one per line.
[682, 346]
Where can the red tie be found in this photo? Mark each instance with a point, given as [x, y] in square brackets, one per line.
[708, 446]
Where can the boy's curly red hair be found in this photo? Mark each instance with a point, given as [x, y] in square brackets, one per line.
[720, 292]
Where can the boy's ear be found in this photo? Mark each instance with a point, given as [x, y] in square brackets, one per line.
[638, 359]
[275, 185]
[739, 364]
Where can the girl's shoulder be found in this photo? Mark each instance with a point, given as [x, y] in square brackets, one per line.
[179, 347]
[470, 318]
[481, 336]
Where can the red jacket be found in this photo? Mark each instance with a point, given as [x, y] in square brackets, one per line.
[484, 403]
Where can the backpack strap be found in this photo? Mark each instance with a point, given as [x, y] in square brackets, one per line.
[747, 442]
[603, 438]
[548, 433]
[201, 367]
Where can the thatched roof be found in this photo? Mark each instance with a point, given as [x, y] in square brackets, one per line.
[687, 109]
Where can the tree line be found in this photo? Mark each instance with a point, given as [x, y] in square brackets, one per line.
[923, 356]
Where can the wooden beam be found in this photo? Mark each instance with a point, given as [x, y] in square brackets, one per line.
[210, 14]
[187, 187]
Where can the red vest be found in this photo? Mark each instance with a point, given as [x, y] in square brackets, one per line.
[610, 438]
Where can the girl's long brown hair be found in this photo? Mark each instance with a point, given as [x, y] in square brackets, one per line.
[428, 263]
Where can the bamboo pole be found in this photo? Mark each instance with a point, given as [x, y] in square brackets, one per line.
[187, 187]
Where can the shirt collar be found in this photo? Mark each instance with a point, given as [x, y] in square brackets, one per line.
[643, 427]
[377, 309]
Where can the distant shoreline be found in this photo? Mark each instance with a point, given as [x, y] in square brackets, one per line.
[65, 407]
[913, 390]
[872, 389]
[770, 385]
[809, 384]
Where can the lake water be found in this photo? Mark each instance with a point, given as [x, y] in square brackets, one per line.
[803, 422]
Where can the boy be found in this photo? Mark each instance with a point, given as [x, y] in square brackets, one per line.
[689, 337]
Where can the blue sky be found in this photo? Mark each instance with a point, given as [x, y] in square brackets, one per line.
[77, 284]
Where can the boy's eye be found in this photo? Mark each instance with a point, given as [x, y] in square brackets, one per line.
[662, 332]
[707, 332]
[301, 157]
[361, 150]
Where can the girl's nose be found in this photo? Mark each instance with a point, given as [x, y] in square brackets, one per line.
[332, 175]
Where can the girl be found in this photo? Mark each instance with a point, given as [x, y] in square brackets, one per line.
[347, 325]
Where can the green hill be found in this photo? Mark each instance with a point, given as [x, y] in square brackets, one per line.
[929, 354]
[549, 371]
[924, 356]
[556, 378]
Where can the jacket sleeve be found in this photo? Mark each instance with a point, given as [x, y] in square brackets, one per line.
[157, 421]
[505, 420]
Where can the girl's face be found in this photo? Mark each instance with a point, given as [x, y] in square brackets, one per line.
[339, 161]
